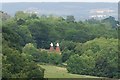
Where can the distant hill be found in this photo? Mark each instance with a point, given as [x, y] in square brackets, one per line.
[79, 9]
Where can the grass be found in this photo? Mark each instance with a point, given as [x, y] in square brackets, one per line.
[52, 71]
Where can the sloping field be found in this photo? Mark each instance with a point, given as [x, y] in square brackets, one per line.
[60, 72]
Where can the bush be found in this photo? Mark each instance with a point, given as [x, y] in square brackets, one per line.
[54, 58]
[17, 65]
[80, 64]
[98, 58]
[49, 57]
[66, 54]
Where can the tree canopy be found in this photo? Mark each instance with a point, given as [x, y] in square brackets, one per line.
[88, 47]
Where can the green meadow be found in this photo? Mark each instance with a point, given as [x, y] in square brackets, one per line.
[52, 71]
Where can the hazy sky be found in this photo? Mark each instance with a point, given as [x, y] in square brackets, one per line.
[59, 0]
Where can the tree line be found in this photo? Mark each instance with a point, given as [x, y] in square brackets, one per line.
[88, 47]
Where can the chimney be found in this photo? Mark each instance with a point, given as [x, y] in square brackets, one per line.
[57, 47]
[51, 47]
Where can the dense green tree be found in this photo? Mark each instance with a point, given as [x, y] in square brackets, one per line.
[70, 18]
[54, 58]
[78, 48]
[81, 64]
[21, 15]
[31, 52]
[69, 45]
[112, 21]
[43, 58]
[66, 54]
[20, 21]
[34, 16]
[41, 29]
[15, 65]
[97, 57]
[50, 57]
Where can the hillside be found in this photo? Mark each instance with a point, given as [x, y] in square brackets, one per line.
[52, 71]
[88, 47]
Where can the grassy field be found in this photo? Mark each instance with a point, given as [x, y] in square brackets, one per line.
[60, 72]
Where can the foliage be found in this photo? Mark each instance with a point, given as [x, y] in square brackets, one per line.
[87, 46]
[112, 21]
[70, 19]
[80, 64]
[66, 54]
[49, 57]
[97, 57]
[42, 56]
[17, 65]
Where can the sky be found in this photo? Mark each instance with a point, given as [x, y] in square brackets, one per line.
[59, 0]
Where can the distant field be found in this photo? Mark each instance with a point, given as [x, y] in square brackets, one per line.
[60, 72]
